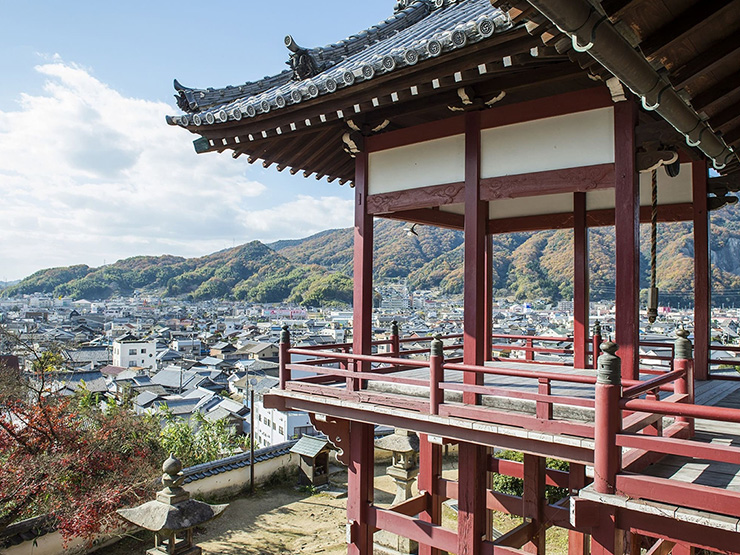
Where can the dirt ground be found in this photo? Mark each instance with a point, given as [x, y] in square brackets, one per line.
[284, 520]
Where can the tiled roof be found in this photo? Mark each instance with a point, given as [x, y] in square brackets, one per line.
[424, 29]
[205, 470]
[309, 446]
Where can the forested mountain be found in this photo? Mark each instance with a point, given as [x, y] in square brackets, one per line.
[318, 269]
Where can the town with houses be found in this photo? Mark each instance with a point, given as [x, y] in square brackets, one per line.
[207, 357]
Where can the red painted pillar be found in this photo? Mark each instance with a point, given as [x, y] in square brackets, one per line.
[580, 282]
[533, 500]
[702, 272]
[284, 357]
[430, 471]
[627, 229]
[489, 298]
[683, 361]
[471, 521]
[606, 539]
[361, 446]
[577, 541]
[607, 419]
[596, 345]
[436, 375]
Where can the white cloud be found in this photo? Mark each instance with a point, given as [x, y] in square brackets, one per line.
[88, 175]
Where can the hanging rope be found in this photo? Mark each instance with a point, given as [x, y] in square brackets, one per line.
[652, 310]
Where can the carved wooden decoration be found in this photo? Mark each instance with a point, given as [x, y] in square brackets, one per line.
[336, 431]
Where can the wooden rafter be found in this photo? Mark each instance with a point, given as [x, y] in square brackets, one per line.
[705, 61]
[682, 26]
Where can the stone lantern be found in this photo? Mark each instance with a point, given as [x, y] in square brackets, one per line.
[404, 445]
[172, 515]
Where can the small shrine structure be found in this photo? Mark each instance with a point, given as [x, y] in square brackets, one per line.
[494, 117]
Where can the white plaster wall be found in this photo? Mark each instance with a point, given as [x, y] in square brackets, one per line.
[530, 206]
[671, 190]
[568, 141]
[237, 480]
[435, 162]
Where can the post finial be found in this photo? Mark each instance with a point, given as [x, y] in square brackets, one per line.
[285, 334]
[609, 365]
[597, 328]
[394, 328]
[683, 346]
[437, 346]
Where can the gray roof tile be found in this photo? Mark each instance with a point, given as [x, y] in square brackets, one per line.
[425, 29]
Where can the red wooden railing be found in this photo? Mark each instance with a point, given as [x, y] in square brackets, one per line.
[628, 432]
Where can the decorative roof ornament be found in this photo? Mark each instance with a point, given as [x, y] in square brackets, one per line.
[301, 61]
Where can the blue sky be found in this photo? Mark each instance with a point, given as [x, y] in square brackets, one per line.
[89, 171]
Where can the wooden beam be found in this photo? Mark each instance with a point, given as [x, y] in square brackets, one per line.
[661, 547]
[518, 536]
[704, 62]
[716, 92]
[726, 116]
[533, 501]
[414, 529]
[686, 24]
[429, 216]
[567, 180]
[683, 494]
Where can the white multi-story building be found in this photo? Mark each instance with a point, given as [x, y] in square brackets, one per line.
[273, 426]
[130, 351]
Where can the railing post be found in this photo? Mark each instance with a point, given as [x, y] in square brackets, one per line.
[684, 361]
[395, 339]
[595, 342]
[529, 353]
[284, 375]
[436, 375]
[544, 408]
[607, 421]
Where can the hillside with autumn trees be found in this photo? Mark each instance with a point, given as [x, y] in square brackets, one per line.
[317, 270]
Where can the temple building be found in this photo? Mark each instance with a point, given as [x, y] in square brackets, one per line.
[494, 116]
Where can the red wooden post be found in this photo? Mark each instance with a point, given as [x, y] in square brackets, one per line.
[596, 341]
[489, 298]
[577, 541]
[580, 282]
[430, 471]
[471, 520]
[395, 339]
[702, 271]
[607, 419]
[627, 230]
[284, 355]
[683, 361]
[533, 500]
[436, 375]
[361, 465]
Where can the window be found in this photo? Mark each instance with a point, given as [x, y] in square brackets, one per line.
[131, 352]
[280, 430]
[131, 363]
[143, 351]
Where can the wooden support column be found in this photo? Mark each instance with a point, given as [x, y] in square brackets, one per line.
[533, 500]
[580, 282]
[627, 230]
[361, 446]
[577, 541]
[702, 272]
[489, 297]
[430, 470]
[471, 521]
